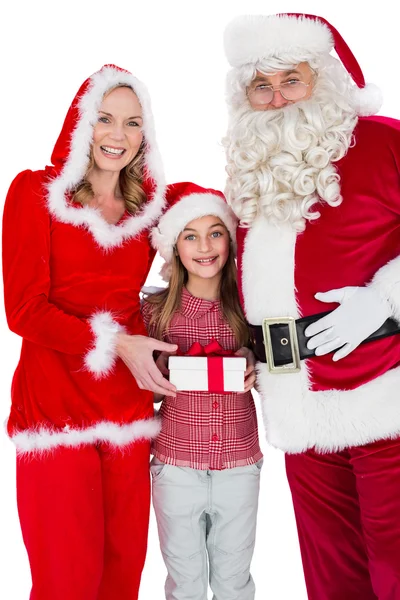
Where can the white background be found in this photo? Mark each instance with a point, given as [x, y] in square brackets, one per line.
[47, 50]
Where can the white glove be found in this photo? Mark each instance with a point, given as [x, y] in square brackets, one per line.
[361, 312]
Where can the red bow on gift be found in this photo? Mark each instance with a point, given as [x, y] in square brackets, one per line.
[214, 348]
[215, 365]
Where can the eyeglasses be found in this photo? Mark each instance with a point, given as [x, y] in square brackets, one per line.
[290, 90]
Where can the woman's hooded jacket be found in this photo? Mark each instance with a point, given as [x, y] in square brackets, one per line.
[71, 282]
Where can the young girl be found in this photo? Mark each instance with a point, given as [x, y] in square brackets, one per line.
[207, 458]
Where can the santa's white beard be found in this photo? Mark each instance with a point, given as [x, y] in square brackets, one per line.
[280, 161]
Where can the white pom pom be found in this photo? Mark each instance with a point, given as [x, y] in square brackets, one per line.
[367, 100]
[166, 271]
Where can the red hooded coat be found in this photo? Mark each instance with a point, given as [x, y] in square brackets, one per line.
[71, 281]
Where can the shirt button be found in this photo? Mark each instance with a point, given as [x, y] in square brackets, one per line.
[215, 404]
[214, 437]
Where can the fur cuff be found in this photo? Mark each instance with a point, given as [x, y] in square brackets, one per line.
[102, 356]
[386, 282]
[42, 439]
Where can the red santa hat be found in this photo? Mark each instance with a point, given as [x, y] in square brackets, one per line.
[186, 202]
[251, 39]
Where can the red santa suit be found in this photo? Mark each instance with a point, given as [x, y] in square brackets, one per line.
[81, 425]
[328, 405]
[338, 422]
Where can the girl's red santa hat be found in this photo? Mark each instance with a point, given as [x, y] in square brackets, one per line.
[252, 39]
[186, 202]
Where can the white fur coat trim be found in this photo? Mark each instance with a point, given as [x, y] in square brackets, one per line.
[44, 439]
[296, 418]
[102, 356]
[251, 38]
[386, 281]
[268, 271]
[191, 207]
[105, 234]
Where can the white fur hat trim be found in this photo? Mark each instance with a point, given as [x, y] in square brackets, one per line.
[193, 206]
[251, 38]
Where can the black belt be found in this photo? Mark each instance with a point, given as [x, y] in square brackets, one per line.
[287, 344]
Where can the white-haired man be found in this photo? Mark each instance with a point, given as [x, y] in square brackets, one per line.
[316, 185]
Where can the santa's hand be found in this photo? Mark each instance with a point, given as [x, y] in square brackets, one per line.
[361, 312]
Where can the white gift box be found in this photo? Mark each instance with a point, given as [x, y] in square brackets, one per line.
[191, 373]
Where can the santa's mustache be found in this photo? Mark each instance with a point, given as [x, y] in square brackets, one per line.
[281, 161]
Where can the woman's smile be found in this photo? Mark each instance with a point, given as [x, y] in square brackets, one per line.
[112, 152]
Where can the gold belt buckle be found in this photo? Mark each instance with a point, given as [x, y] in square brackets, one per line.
[293, 367]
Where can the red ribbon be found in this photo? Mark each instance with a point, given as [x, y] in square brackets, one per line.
[215, 362]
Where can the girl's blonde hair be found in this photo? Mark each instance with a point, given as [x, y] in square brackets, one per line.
[167, 302]
[130, 178]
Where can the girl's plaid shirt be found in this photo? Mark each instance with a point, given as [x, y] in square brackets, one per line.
[204, 430]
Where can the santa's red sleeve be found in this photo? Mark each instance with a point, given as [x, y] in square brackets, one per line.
[26, 272]
[386, 280]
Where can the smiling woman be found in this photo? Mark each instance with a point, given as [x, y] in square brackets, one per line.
[116, 156]
[82, 415]
[117, 134]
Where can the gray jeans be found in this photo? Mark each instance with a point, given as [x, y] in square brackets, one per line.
[206, 525]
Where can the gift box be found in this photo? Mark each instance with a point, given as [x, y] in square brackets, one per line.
[207, 373]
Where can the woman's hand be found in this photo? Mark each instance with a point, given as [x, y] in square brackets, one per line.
[250, 374]
[137, 353]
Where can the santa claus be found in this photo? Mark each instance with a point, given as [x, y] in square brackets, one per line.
[315, 182]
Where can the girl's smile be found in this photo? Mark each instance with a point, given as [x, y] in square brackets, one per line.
[206, 261]
[203, 247]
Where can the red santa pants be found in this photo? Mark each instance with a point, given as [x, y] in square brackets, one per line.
[84, 516]
[347, 507]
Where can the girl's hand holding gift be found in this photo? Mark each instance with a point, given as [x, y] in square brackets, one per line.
[162, 362]
[250, 373]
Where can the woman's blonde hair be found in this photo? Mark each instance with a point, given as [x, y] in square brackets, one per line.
[130, 178]
[167, 302]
